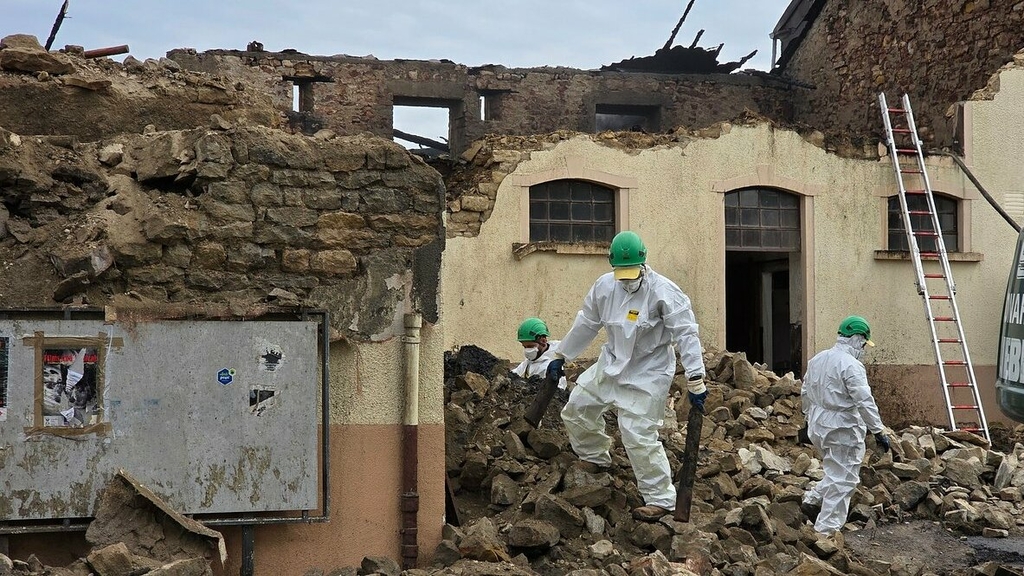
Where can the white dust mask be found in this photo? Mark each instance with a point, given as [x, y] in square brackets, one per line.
[631, 286]
[531, 354]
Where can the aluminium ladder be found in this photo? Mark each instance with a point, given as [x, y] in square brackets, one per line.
[956, 372]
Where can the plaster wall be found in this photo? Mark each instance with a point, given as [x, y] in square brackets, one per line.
[675, 202]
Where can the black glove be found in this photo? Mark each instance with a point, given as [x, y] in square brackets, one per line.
[802, 436]
[882, 441]
[697, 400]
[555, 370]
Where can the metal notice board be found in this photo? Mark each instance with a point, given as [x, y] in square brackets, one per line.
[219, 418]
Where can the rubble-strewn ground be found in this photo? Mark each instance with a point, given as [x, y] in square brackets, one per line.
[135, 533]
[942, 503]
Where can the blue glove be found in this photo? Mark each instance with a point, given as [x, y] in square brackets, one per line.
[697, 400]
[555, 370]
[882, 441]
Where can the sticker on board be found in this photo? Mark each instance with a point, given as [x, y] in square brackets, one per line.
[226, 375]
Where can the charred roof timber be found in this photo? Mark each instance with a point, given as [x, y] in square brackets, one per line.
[679, 60]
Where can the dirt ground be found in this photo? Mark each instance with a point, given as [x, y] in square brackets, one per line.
[925, 544]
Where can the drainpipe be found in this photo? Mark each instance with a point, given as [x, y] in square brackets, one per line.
[410, 441]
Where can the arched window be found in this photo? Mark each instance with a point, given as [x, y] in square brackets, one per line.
[947, 209]
[762, 220]
[571, 211]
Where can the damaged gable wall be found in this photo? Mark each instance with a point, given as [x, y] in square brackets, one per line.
[353, 94]
[937, 51]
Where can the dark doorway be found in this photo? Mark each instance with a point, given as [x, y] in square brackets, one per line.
[762, 234]
[757, 309]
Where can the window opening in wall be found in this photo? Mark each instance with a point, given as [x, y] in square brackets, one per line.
[627, 117]
[762, 219]
[296, 97]
[490, 104]
[424, 130]
[945, 207]
[571, 211]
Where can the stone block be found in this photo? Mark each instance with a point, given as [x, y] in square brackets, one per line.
[293, 216]
[333, 262]
[476, 203]
[295, 260]
[504, 491]
[229, 191]
[30, 60]
[341, 220]
[266, 194]
[224, 212]
[210, 255]
[534, 534]
[113, 560]
[23, 41]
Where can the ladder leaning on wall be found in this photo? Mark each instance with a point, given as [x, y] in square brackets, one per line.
[937, 289]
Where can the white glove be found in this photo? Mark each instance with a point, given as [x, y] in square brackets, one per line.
[696, 385]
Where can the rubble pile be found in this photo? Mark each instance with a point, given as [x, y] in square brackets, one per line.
[68, 94]
[134, 533]
[525, 500]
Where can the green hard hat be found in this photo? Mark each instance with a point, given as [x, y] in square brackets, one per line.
[627, 250]
[532, 329]
[854, 325]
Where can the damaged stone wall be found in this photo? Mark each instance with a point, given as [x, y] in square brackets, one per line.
[937, 51]
[234, 219]
[352, 94]
[66, 95]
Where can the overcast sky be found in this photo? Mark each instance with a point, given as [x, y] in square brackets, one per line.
[515, 33]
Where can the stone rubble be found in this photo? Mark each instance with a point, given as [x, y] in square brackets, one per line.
[135, 533]
[528, 507]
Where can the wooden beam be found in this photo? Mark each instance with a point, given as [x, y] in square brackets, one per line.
[420, 140]
[56, 25]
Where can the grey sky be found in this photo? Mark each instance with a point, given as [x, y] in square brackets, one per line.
[515, 33]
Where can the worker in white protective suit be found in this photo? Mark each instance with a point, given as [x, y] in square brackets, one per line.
[840, 410]
[538, 350]
[643, 314]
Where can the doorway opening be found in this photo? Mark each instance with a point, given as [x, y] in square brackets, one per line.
[763, 277]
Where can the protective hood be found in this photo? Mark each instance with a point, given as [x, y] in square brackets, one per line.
[852, 345]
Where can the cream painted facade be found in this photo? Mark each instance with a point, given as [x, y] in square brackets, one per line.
[673, 196]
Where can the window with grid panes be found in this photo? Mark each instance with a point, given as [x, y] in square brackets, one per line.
[945, 207]
[571, 211]
[762, 220]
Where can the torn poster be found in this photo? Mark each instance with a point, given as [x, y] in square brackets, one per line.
[271, 357]
[70, 397]
[260, 399]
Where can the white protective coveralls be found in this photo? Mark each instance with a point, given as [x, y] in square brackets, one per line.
[840, 409]
[539, 367]
[632, 375]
